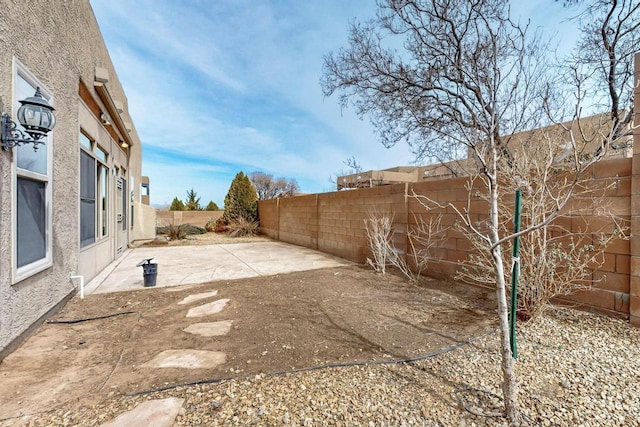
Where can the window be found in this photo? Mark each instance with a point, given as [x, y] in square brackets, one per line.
[133, 199]
[124, 204]
[32, 219]
[94, 184]
[87, 199]
[103, 181]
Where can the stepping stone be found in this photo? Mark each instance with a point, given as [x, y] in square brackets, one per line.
[207, 309]
[188, 359]
[179, 288]
[198, 297]
[212, 329]
[157, 413]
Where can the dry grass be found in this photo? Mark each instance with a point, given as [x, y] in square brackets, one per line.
[206, 239]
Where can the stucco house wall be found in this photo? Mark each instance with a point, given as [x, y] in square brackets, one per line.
[60, 44]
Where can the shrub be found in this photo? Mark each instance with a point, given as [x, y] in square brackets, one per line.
[178, 232]
[220, 226]
[423, 237]
[241, 227]
[210, 225]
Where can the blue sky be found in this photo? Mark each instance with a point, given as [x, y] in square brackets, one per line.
[221, 86]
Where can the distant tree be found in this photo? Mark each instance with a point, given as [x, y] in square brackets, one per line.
[241, 200]
[192, 202]
[268, 187]
[212, 206]
[176, 205]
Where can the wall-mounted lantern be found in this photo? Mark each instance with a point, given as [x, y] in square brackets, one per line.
[36, 117]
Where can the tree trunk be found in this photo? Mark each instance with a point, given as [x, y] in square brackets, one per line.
[509, 384]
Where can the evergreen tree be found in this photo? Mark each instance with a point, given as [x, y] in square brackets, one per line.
[212, 206]
[241, 200]
[192, 203]
[176, 205]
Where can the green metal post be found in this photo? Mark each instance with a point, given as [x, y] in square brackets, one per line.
[515, 272]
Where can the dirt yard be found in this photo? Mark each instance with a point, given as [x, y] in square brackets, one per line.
[278, 323]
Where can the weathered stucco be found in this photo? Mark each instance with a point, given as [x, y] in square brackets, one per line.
[61, 44]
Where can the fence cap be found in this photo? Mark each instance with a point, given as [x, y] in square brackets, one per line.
[143, 262]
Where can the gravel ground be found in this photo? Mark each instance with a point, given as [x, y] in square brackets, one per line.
[574, 368]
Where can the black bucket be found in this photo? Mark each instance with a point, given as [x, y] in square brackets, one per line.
[149, 272]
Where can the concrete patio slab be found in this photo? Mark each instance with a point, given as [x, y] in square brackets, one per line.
[181, 265]
[186, 359]
[157, 413]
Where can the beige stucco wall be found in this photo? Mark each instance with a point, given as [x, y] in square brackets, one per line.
[60, 43]
[197, 218]
[145, 222]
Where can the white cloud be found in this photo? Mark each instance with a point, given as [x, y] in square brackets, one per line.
[234, 84]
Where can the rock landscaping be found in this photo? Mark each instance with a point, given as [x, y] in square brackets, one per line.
[574, 368]
[336, 347]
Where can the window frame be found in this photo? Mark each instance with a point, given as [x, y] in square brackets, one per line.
[18, 274]
[100, 204]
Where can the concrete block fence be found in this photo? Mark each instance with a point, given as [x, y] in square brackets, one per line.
[334, 223]
[197, 218]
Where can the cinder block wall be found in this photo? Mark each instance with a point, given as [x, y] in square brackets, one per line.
[634, 303]
[334, 223]
[268, 212]
[298, 220]
[197, 218]
[611, 293]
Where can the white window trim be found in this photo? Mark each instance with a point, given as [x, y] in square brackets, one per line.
[26, 271]
[99, 205]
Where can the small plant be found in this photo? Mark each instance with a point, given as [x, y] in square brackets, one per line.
[380, 235]
[241, 227]
[422, 239]
[179, 232]
[220, 226]
[210, 226]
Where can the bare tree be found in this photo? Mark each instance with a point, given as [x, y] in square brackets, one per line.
[269, 187]
[422, 239]
[353, 167]
[558, 259]
[603, 59]
[352, 164]
[468, 80]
